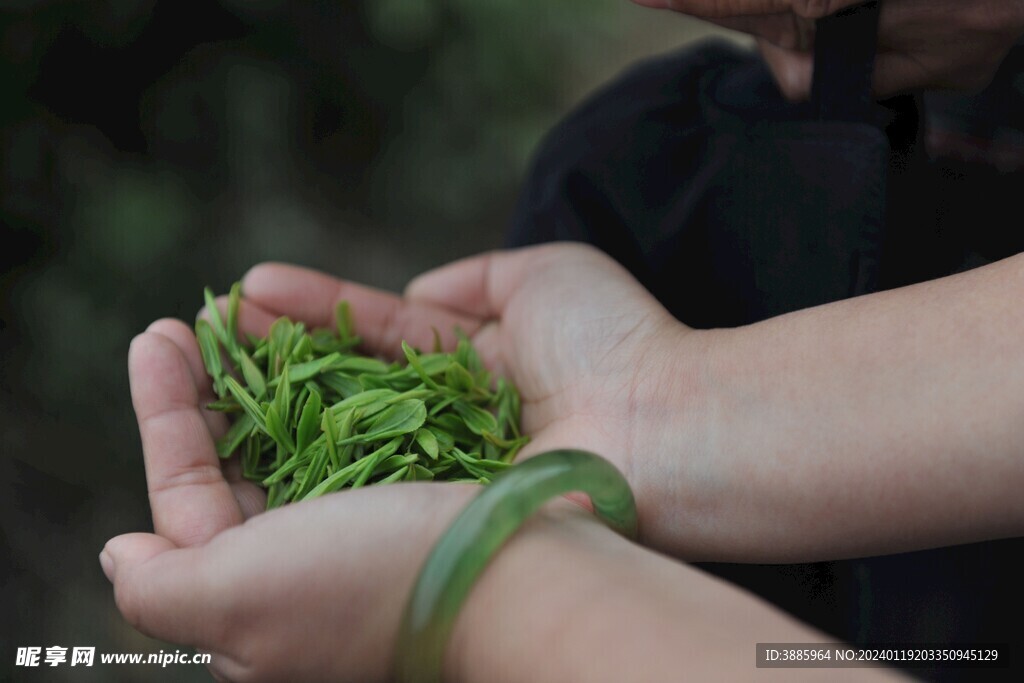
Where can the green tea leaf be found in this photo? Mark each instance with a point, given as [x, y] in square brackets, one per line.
[363, 399]
[234, 303]
[359, 365]
[470, 462]
[477, 419]
[280, 341]
[343, 320]
[276, 429]
[283, 395]
[252, 374]
[374, 459]
[314, 474]
[290, 467]
[458, 378]
[466, 355]
[421, 473]
[304, 371]
[414, 363]
[428, 442]
[330, 430]
[224, 405]
[445, 442]
[336, 480]
[251, 456]
[437, 340]
[341, 384]
[211, 355]
[249, 405]
[302, 349]
[397, 461]
[397, 475]
[236, 434]
[309, 422]
[420, 394]
[215, 320]
[454, 425]
[395, 420]
[324, 342]
[444, 403]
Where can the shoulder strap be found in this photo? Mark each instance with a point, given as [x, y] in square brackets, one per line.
[844, 61]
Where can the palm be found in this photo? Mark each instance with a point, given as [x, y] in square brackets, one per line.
[574, 337]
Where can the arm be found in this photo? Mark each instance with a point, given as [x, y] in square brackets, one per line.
[885, 423]
[568, 601]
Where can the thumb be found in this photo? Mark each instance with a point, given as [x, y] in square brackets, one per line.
[161, 590]
[481, 286]
[129, 550]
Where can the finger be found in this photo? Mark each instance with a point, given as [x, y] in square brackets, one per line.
[184, 338]
[479, 286]
[787, 30]
[718, 8]
[188, 495]
[251, 498]
[791, 69]
[161, 590]
[484, 286]
[382, 319]
[816, 9]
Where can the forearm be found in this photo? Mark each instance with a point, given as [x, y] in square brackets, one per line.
[566, 601]
[888, 422]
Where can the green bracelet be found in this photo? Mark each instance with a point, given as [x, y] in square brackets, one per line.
[480, 530]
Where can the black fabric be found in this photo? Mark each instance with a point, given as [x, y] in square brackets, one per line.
[844, 60]
[696, 174]
[732, 205]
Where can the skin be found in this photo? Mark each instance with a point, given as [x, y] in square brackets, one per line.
[923, 44]
[801, 438]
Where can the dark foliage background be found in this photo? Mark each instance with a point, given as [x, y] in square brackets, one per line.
[151, 147]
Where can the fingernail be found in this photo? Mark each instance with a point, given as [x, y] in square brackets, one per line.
[107, 563]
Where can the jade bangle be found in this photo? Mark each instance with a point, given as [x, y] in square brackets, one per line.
[480, 530]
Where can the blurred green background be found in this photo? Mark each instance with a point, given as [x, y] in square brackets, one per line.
[151, 147]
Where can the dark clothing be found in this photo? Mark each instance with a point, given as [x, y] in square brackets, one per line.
[731, 206]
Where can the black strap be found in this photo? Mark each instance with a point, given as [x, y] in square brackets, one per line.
[845, 44]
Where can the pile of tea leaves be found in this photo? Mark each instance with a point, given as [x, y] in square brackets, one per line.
[311, 415]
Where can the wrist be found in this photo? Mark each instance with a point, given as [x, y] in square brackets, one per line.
[677, 435]
[548, 576]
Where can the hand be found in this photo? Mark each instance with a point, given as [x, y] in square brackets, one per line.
[923, 44]
[307, 592]
[599, 363]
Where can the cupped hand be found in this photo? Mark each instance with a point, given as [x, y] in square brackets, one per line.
[923, 44]
[599, 363]
[309, 592]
